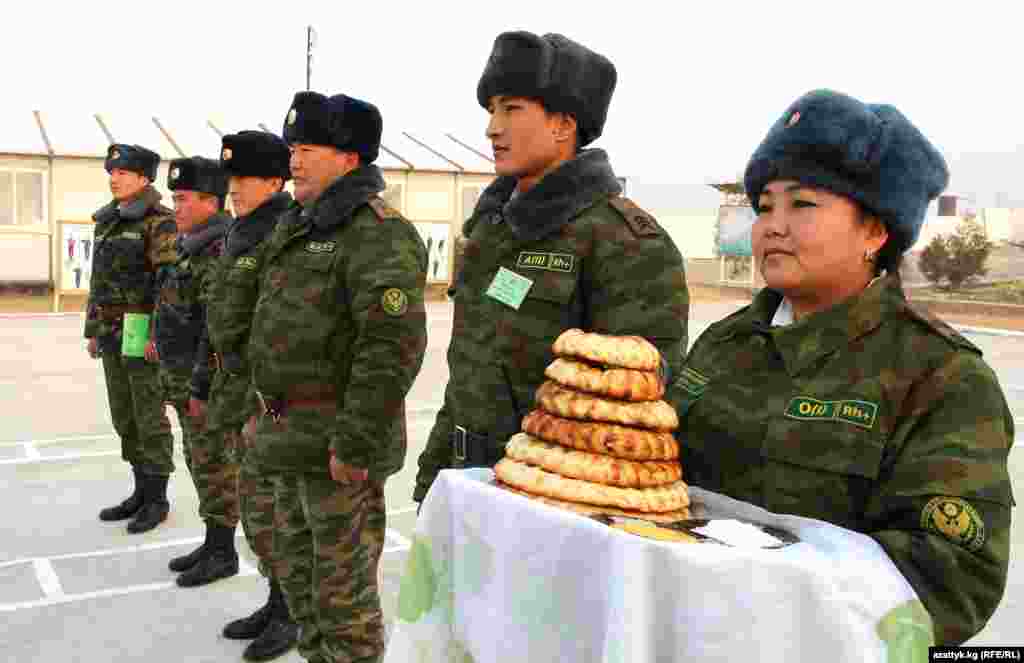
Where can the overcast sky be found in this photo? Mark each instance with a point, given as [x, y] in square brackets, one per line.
[698, 87]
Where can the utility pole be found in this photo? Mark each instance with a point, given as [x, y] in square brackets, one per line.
[310, 43]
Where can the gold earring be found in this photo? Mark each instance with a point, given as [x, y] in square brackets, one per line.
[869, 256]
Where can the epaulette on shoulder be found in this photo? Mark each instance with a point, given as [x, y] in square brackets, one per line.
[640, 222]
[384, 211]
[940, 328]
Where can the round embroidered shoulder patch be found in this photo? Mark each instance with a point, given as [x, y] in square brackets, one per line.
[955, 519]
[394, 302]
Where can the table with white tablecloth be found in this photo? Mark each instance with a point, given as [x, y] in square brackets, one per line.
[494, 576]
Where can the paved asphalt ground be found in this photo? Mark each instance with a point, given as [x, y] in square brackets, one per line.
[75, 589]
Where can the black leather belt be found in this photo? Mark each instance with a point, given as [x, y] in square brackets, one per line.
[474, 449]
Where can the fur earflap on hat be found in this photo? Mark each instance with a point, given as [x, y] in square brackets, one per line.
[197, 174]
[341, 122]
[134, 158]
[870, 153]
[255, 154]
[565, 76]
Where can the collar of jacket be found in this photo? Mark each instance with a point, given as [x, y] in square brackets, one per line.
[346, 194]
[249, 230]
[196, 242]
[555, 200]
[134, 210]
[807, 340]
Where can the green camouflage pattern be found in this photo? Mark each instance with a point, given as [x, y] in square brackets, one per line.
[256, 499]
[236, 286]
[866, 415]
[341, 309]
[132, 243]
[328, 540]
[137, 411]
[210, 458]
[609, 269]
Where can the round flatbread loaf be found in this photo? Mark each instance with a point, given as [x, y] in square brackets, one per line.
[534, 480]
[622, 351]
[596, 468]
[625, 384]
[593, 510]
[564, 402]
[602, 438]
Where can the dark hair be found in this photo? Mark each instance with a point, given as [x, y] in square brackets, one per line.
[889, 257]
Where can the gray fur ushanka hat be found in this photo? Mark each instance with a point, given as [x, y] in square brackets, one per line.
[870, 153]
[565, 76]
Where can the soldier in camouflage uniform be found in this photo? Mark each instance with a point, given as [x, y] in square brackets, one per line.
[830, 396]
[554, 222]
[338, 336]
[257, 163]
[134, 236]
[182, 347]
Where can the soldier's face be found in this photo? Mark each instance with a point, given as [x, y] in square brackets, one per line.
[192, 208]
[526, 140]
[248, 193]
[126, 184]
[811, 242]
[315, 167]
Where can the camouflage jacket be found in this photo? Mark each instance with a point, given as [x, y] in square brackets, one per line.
[341, 313]
[131, 244]
[593, 260]
[871, 416]
[184, 297]
[237, 282]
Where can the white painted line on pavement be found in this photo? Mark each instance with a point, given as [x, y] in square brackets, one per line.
[988, 331]
[48, 459]
[48, 579]
[31, 452]
[119, 591]
[74, 438]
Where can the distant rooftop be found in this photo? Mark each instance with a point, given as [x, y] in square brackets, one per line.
[82, 134]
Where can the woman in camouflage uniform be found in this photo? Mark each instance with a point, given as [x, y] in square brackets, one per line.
[830, 396]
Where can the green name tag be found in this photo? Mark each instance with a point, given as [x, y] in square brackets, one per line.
[135, 335]
[320, 247]
[858, 413]
[132, 235]
[509, 288]
[246, 262]
[554, 262]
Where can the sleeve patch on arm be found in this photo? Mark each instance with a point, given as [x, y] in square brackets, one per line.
[394, 302]
[955, 519]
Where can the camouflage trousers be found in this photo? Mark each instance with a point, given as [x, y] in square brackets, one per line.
[137, 412]
[226, 415]
[328, 539]
[209, 455]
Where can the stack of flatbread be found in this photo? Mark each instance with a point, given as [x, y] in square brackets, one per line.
[601, 439]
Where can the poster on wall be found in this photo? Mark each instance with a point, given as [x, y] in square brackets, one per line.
[436, 239]
[76, 250]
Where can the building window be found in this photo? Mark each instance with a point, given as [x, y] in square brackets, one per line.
[22, 199]
[393, 196]
[470, 196]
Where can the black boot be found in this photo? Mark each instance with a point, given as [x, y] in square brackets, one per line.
[248, 628]
[154, 507]
[220, 560]
[280, 635]
[186, 562]
[130, 506]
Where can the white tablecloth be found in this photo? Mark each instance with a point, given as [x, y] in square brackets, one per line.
[494, 576]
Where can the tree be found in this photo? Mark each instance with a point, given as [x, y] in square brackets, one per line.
[956, 258]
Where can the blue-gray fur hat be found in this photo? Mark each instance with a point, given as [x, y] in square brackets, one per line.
[341, 122]
[565, 76]
[870, 153]
[134, 158]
